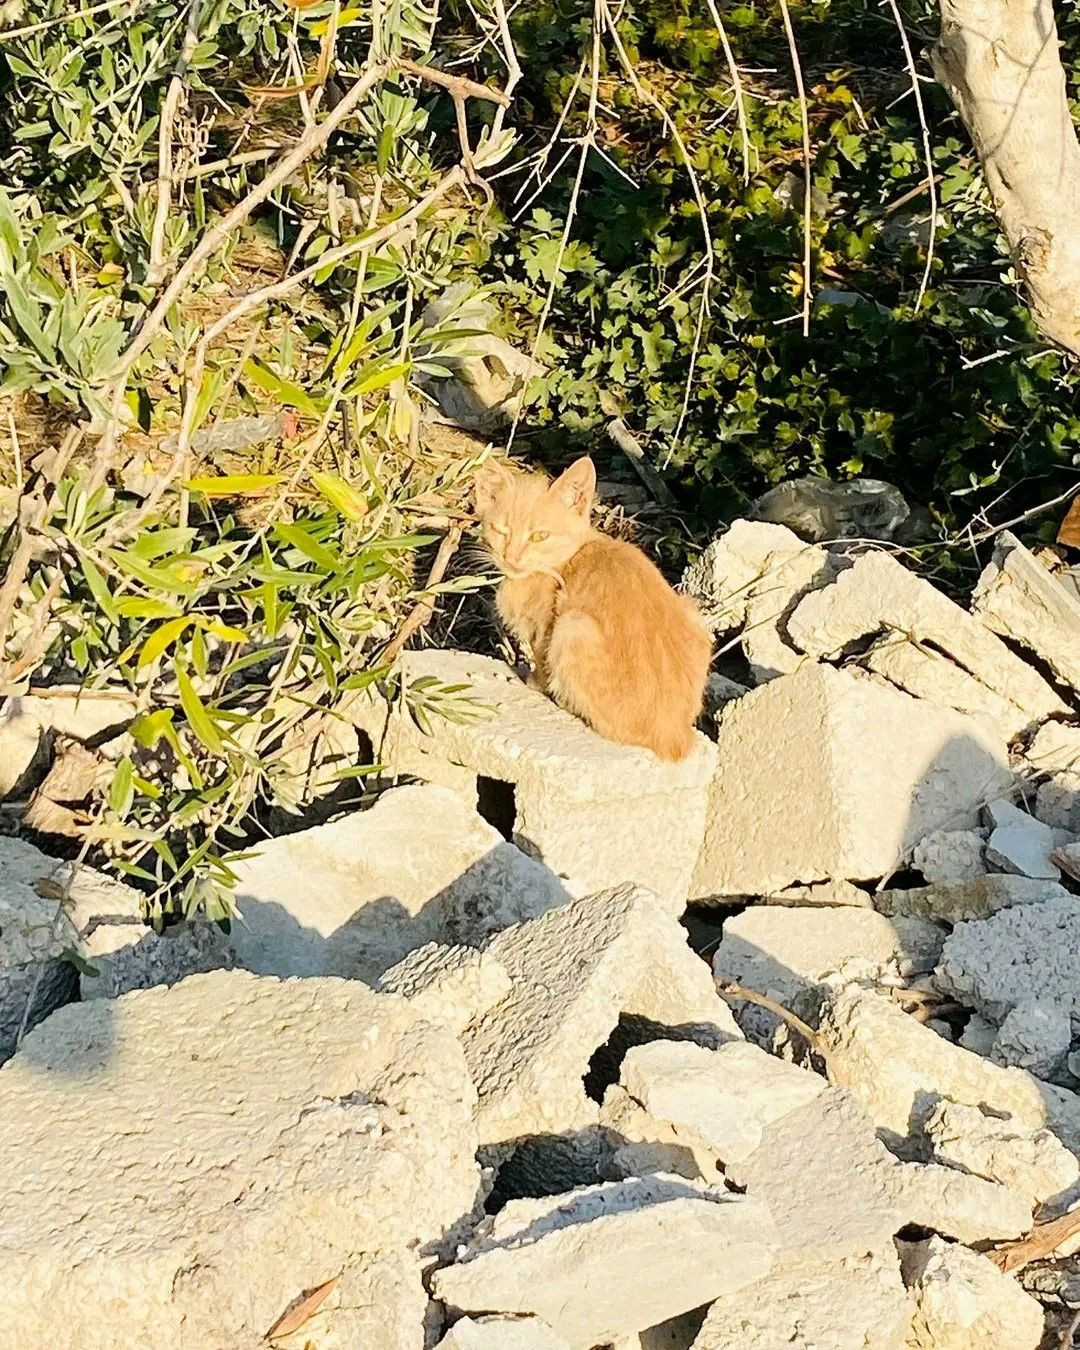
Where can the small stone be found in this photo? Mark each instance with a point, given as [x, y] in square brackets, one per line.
[608, 1260]
[501, 1333]
[1030, 953]
[978, 1035]
[951, 855]
[1034, 1036]
[1028, 1160]
[957, 901]
[1020, 843]
[963, 1302]
[23, 753]
[782, 952]
[354, 897]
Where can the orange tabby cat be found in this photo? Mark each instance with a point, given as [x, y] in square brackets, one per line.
[610, 640]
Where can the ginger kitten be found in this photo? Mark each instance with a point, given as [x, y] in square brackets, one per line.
[610, 640]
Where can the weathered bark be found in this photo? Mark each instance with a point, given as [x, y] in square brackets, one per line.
[999, 61]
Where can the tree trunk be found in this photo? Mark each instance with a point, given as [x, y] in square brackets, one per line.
[999, 61]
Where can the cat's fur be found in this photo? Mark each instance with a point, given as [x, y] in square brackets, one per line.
[610, 640]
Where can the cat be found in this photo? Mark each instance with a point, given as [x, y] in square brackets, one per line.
[610, 640]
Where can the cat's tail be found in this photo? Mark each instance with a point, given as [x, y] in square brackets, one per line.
[672, 743]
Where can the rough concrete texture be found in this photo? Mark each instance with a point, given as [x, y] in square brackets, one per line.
[782, 952]
[1054, 756]
[969, 1209]
[827, 776]
[879, 595]
[978, 1035]
[1034, 1036]
[1029, 953]
[1018, 598]
[856, 1304]
[27, 719]
[186, 1162]
[898, 1069]
[354, 897]
[844, 893]
[501, 1333]
[1020, 844]
[608, 1260]
[1030, 1161]
[574, 972]
[129, 956]
[23, 753]
[717, 1101]
[927, 674]
[963, 1302]
[951, 855]
[598, 814]
[453, 985]
[959, 901]
[637, 1144]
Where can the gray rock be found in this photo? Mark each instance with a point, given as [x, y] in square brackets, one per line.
[129, 956]
[959, 901]
[1054, 756]
[979, 1035]
[354, 897]
[605, 1261]
[1034, 1036]
[951, 855]
[821, 511]
[820, 893]
[1020, 843]
[1026, 954]
[453, 985]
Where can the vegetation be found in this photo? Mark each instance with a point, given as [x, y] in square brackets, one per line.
[222, 222]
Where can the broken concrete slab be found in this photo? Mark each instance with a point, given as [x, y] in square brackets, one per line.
[1020, 843]
[127, 956]
[963, 1302]
[598, 814]
[608, 1260]
[286, 1131]
[453, 985]
[501, 1333]
[858, 1303]
[783, 952]
[717, 1102]
[1054, 758]
[898, 1069]
[23, 752]
[949, 1202]
[575, 972]
[1034, 1036]
[1019, 599]
[1028, 1160]
[961, 901]
[1022, 954]
[879, 595]
[637, 1144]
[354, 897]
[847, 799]
[844, 893]
[946, 856]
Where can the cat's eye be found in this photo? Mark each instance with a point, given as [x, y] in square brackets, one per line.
[538, 536]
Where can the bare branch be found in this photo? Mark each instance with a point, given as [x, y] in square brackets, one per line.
[808, 180]
[174, 95]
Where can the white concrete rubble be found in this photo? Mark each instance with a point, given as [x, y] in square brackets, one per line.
[573, 973]
[204, 1155]
[1018, 598]
[598, 814]
[1027, 1160]
[127, 956]
[960, 901]
[963, 1302]
[749, 578]
[949, 1202]
[453, 985]
[854, 776]
[1029, 953]
[717, 1102]
[782, 952]
[858, 1303]
[879, 595]
[1034, 1036]
[844, 893]
[608, 1260]
[1054, 755]
[354, 897]
[501, 1333]
[951, 855]
[1020, 843]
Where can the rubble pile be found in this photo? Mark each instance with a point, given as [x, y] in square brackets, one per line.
[558, 1047]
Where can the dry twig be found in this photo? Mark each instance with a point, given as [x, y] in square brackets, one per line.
[928, 153]
[424, 608]
[628, 443]
[174, 95]
[1043, 1240]
[808, 179]
[732, 990]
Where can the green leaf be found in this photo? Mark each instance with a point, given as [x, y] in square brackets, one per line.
[199, 720]
[132, 607]
[292, 395]
[301, 539]
[162, 637]
[99, 588]
[235, 485]
[81, 964]
[122, 789]
[341, 495]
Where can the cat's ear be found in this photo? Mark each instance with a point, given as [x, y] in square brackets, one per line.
[488, 481]
[576, 487]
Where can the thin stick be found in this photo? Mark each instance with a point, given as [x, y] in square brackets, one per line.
[422, 612]
[809, 1035]
[737, 86]
[28, 29]
[928, 154]
[176, 92]
[628, 443]
[808, 185]
[456, 85]
[1043, 1240]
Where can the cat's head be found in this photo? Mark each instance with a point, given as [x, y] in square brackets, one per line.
[530, 524]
